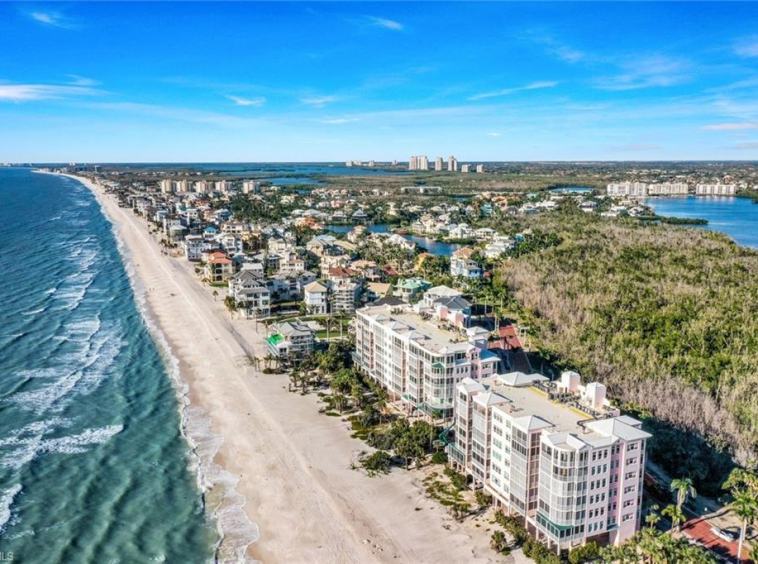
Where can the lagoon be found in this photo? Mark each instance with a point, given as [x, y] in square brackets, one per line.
[737, 217]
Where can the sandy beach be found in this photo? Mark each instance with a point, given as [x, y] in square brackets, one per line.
[278, 472]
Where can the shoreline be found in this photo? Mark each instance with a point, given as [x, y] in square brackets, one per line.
[288, 468]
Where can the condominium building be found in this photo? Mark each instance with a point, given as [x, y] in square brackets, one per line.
[183, 186]
[222, 186]
[556, 453]
[466, 168]
[418, 361]
[418, 163]
[627, 189]
[715, 189]
[201, 187]
[452, 164]
[251, 187]
[345, 293]
[438, 164]
[668, 189]
[167, 186]
[480, 168]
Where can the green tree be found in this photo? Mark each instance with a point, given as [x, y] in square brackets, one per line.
[674, 512]
[745, 507]
[684, 490]
[498, 541]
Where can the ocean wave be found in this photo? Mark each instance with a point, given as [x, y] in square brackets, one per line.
[34, 312]
[6, 502]
[29, 448]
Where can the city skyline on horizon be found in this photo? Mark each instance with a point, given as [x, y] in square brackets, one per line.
[243, 83]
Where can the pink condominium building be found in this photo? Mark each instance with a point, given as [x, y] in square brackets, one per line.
[556, 453]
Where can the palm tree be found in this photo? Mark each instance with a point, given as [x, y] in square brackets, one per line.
[684, 490]
[674, 512]
[652, 518]
[745, 507]
[215, 295]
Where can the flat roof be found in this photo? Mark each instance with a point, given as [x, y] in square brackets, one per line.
[427, 334]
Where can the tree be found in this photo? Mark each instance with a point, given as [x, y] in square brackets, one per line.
[231, 304]
[483, 499]
[674, 512]
[377, 463]
[409, 450]
[215, 295]
[745, 507]
[653, 517]
[684, 490]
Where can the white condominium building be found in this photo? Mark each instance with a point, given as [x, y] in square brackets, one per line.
[183, 186]
[419, 361]
[251, 187]
[555, 453]
[201, 187]
[466, 168]
[627, 189]
[668, 189]
[452, 164]
[438, 164]
[715, 189]
[480, 168]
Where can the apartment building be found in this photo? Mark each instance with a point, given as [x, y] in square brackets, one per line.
[668, 189]
[638, 189]
[345, 293]
[418, 361]
[556, 453]
[438, 164]
[715, 189]
[452, 164]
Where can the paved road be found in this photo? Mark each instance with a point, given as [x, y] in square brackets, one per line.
[700, 531]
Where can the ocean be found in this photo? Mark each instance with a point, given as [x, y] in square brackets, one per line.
[93, 465]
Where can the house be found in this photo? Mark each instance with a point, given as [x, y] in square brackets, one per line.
[497, 247]
[410, 289]
[250, 293]
[290, 340]
[218, 268]
[316, 298]
[377, 290]
[462, 264]
[194, 245]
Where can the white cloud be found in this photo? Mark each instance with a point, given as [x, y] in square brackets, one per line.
[747, 47]
[77, 80]
[507, 91]
[53, 19]
[386, 23]
[337, 121]
[247, 101]
[30, 92]
[730, 126]
[319, 101]
[495, 134]
[647, 72]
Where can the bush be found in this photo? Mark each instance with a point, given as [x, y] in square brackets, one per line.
[439, 458]
[377, 463]
[458, 480]
[586, 553]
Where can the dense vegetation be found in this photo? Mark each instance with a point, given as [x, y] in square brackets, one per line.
[664, 316]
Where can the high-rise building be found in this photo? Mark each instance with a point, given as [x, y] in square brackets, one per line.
[167, 186]
[418, 361]
[627, 189]
[413, 163]
[556, 453]
[438, 164]
[201, 187]
[372, 163]
[183, 186]
[420, 162]
[466, 168]
[480, 168]
[251, 186]
[452, 164]
[348, 163]
[222, 186]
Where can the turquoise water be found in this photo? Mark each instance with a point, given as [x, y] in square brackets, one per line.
[737, 217]
[93, 467]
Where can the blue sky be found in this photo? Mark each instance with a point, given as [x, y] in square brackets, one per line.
[107, 82]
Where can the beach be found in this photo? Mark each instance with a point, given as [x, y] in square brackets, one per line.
[278, 474]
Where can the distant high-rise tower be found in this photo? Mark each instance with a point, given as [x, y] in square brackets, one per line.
[413, 163]
[167, 186]
[452, 164]
[480, 168]
[438, 163]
